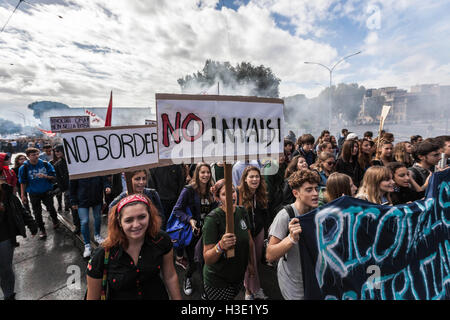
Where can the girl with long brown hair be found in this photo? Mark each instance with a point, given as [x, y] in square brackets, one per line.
[365, 153]
[297, 163]
[348, 161]
[377, 185]
[132, 256]
[252, 195]
[193, 205]
[403, 153]
[338, 185]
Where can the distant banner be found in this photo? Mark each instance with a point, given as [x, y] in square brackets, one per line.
[216, 128]
[48, 133]
[109, 150]
[352, 249]
[69, 122]
[95, 120]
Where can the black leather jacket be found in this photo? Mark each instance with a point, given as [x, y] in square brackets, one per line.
[14, 218]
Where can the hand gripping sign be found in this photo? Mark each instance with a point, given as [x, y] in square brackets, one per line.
[193, 128]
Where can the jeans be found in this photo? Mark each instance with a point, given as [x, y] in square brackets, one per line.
[7, 279]
[47, 199]
[84, 220]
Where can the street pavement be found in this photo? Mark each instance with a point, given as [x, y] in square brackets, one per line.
[43, 267]
[54, 269]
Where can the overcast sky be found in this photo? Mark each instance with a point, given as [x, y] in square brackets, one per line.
[76, 51]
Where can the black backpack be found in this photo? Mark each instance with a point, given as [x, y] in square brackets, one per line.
[291, 214]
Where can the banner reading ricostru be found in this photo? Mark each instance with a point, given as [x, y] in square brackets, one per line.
[352, 249]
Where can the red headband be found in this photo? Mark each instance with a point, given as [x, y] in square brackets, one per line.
[132, 198]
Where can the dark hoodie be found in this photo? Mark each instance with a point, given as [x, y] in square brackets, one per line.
[13, 217]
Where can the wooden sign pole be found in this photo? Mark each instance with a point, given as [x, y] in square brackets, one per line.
[229, 204]
[128, 178]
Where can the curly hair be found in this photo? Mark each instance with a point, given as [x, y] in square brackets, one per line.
[300, 177]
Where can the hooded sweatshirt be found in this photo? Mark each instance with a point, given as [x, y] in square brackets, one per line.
[10, 176]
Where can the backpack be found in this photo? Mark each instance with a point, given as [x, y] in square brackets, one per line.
[178, 231]
[291, 214]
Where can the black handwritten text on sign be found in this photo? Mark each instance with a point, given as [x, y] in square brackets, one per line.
[101, 150]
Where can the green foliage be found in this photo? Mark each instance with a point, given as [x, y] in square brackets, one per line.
[9, 127]
[244, 77]
[374, 105]
[347, 99]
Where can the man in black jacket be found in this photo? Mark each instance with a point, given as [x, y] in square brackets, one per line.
[62, 180]
[13, 218]
[168, 181]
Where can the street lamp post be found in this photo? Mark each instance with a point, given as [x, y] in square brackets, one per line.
[22, 116]
[330, 70]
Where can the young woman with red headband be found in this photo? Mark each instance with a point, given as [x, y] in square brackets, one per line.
[132, 256]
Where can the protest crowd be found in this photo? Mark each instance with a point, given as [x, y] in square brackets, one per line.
[138, 259]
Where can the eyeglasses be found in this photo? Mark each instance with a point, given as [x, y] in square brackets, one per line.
[331, 163]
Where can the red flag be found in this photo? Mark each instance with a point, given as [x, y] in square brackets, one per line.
[109, 113]
[48, 133]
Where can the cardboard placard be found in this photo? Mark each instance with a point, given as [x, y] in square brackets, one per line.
[193, 128]
[69, 122]
[103, 151]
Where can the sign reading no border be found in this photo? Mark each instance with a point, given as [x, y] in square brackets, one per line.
[103, 151]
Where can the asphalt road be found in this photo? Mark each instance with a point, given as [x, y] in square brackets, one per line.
[54, 269]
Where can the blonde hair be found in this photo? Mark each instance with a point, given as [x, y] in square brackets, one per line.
[370, 188]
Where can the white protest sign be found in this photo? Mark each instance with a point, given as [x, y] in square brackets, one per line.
[69, 122]
[218, 128]
[383, 116]
[102, 151]
[95, 120]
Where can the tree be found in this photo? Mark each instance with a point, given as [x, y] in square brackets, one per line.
[373, 106]
[346, 99]
[243, 79]
[9, 127]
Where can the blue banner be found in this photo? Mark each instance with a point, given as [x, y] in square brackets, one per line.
[353, 249]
